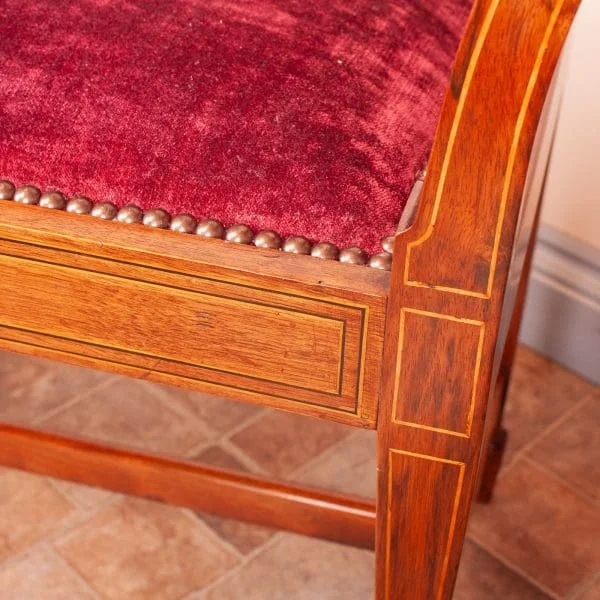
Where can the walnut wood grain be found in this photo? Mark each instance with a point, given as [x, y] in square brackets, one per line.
[452, 267]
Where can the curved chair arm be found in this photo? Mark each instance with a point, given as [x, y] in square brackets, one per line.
[476, 176]
[449, 284]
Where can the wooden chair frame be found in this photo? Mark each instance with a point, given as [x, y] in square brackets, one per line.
[415, 354]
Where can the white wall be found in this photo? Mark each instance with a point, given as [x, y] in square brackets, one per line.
[562, 312]
[572, 198]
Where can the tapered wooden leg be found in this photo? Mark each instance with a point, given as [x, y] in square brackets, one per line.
[497, 439]
[452, 293]
[429, 441]
[422, 531]
[430, 434]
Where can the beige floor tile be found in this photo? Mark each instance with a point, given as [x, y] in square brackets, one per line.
[131, 413]
[482, 577]
[218, 413]
[540, 525]
[30, 508]
[540, 392]
[141, 550]
[591, 592]
[299, 568]
[351, 467]
[281, 442]
[84, 497]
[31, 387]
[42, 575]
[126, 548]
[572, 450]
[245, 537]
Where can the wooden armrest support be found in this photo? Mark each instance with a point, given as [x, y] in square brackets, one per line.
[450, 281]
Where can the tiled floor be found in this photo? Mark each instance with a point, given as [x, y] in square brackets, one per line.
[539, 539]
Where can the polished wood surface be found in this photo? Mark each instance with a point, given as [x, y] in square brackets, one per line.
[313, 349]
[450, 283]
[495, 436]
[313, 512]
[307, 335]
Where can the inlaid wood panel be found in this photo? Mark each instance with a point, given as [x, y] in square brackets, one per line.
[412, 480]
[301, 349]
[437, 397]
[305, 350]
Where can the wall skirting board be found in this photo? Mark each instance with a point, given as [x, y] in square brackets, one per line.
[562, 311]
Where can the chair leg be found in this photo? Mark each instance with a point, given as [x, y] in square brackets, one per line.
[493, 462]
[421, 533]
[499, 436]
[429, 445]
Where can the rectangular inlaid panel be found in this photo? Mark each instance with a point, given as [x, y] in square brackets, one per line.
[234, 338]
[438, 393]
[412, 478]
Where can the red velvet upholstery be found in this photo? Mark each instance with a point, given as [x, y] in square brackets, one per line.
[309, 117]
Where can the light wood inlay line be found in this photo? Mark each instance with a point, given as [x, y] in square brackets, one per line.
[364, 326]
[233, 302]
[467, 432]
[511, 161]
[137, 371]
[516, 138]
[452, 528]
[450, 149]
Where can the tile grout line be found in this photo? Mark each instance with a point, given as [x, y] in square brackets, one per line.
[81, 507]
[118, 498]
[582, 587]
[199, 522]
[547, 431]
[213, 435]
[41, 546]
[512, 567]
[52, 481]
[71, 402]
[198, 448]
[245, 423]
[68, 562]
[326, 454]
[558, 479]
[75, 573]
[246, 460]
[86, 516]
[80, 518]
[222, 440]
[22, 555]
[232, 572]
[177, 407]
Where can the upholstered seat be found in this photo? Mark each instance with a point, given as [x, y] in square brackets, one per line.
[295, 124]
[306, 118]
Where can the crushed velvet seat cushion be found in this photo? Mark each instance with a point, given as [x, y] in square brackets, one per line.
[306, 117]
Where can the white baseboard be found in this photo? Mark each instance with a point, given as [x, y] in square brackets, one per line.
[562, 311]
